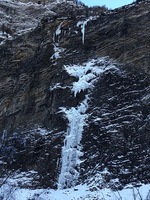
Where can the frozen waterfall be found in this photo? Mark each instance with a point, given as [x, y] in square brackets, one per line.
[71, 151]
[86, 75]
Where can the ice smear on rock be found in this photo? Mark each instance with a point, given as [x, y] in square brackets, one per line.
[58, 50]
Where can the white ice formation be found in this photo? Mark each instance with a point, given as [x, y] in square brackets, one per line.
[83, 24]
[57, 49]
[86, 75]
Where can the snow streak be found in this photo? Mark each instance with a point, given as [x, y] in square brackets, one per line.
[86, 74]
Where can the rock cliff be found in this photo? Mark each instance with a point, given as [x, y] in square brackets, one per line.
[35, 87]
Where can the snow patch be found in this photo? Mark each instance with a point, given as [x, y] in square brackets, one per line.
[42, 131]
[80, 192]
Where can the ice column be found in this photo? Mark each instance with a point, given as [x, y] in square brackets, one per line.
[71, 151]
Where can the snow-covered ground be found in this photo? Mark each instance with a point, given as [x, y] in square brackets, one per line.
[80, 192]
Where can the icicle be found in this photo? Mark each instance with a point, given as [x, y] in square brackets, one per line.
[83, 31]
[82, 24]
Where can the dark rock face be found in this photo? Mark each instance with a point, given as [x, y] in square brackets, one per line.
[117, 135]
[29, 151]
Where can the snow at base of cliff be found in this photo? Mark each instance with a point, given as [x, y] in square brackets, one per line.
[80, 192]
